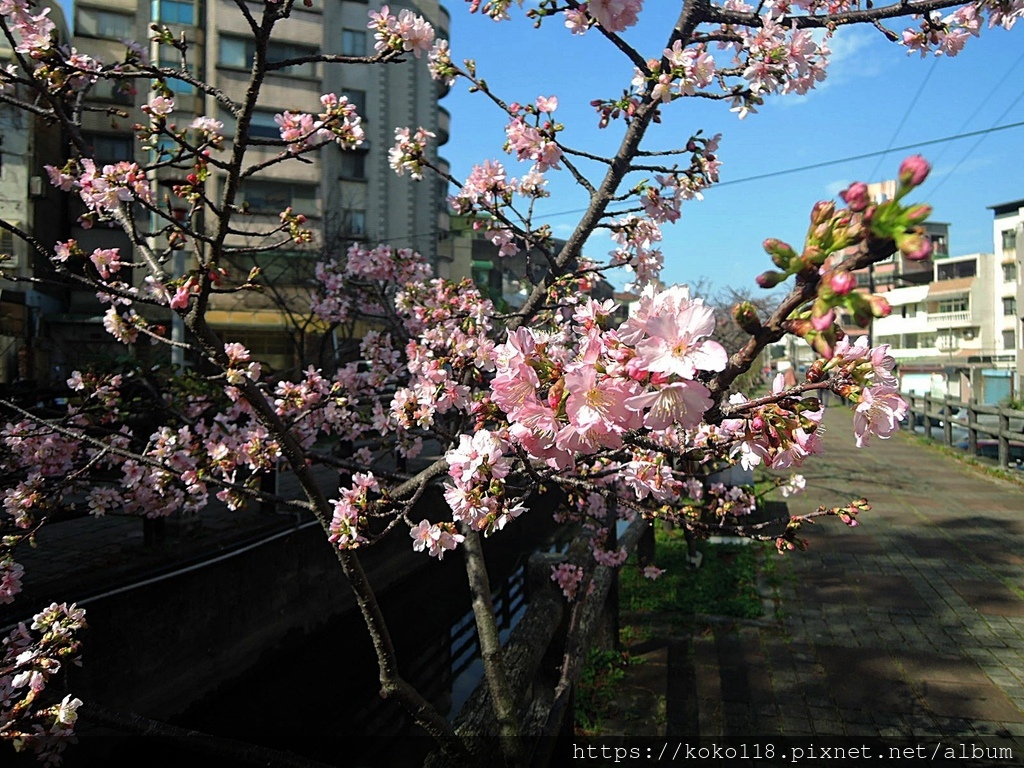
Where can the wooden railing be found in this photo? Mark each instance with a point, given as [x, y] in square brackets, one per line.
[936, 414]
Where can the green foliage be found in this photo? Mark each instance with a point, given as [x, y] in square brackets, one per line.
[724, 585]
[598, 686]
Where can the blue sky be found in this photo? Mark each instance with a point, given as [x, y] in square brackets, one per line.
[866, 98]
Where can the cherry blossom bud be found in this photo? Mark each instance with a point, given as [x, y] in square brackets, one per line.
[918, 213]
[770, 279]
[813, 256]
[915, 245]
[913, 171]
[782, 253]
[879, 306]
[842, 281]
[822, 212]
[856, 196]
[823, 321]
[816, 372]
[745, 315]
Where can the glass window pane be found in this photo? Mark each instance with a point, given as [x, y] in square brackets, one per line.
[235, 53]
[353, 42]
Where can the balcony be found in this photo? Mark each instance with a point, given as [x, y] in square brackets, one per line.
[950, 319]
[444, 124]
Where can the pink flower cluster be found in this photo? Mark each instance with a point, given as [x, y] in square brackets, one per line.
[32, 657]
[568, 578]
[478, 467]
[636, 238]
[564, 397]
[339, 122]
[406, 32]
[344, 529]
[531, 143]
[948, 35]
[409, 152]
[615, 15]
[10, 579]
[435, 538]
[104, 190]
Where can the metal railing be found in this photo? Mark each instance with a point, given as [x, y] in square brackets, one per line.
[945, 413]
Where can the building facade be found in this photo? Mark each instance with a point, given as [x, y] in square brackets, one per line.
[347, 196]
[30, 204]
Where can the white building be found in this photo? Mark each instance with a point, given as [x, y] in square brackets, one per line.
[1008, 235]
[949, 335]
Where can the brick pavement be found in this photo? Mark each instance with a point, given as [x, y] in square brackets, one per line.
[908, 630]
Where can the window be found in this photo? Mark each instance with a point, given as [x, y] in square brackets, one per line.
[173, 11]
[939, 245]
[264, 126]
[275, 196]
[1009, 305]
[1009, 340]
[109, 149]
[951, 271]
[118, 91]
[93, 22]
[353, 165]
[1009, 240]
[1009, 272]
[238, 52]
[959, 304]
[355, 223]
[357, 99]
[353, 42]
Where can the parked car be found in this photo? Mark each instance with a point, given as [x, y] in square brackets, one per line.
[988, 448]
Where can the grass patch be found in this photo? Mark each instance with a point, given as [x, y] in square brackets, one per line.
[598, 688]
[724, 585]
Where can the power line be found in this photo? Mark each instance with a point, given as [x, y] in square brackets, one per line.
[906, 114]
[984, 102]
[839, 161]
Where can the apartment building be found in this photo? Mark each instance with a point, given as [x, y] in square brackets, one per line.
[1008, 244]
[29, 203]
[347, 196]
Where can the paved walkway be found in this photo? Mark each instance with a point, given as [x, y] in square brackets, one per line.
[905, 633]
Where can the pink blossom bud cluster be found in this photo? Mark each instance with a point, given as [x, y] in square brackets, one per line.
[410, 152]
[439, 63]
[780, 434]
[405, 33]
